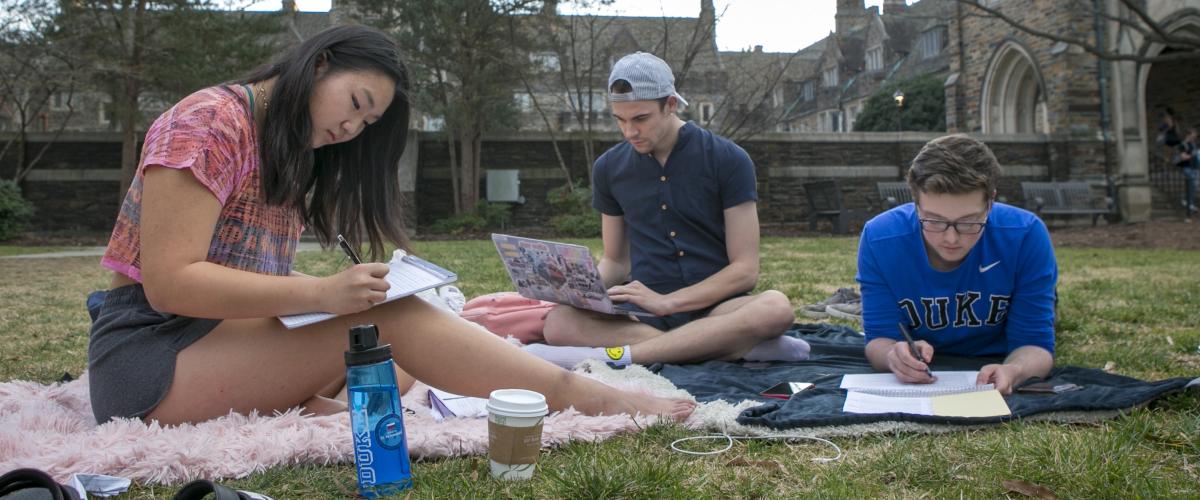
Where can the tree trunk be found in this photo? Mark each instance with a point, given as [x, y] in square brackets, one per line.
[455, 172]
[468, 194]
[127, 114]
[127, 105]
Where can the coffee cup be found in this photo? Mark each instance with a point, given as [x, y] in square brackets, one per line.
[515, 432]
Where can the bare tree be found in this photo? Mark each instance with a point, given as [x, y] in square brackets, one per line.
[582, 48]
[757, 99]
[463, 67]
[36, 78]
[164, 47]
[1130, 15]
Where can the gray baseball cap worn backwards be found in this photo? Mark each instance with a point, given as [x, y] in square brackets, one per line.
[649, 76]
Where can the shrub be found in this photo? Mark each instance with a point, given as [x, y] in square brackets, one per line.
[924, 107]
[485, 216]
[582, 226]
[15, 211]
[573, 204]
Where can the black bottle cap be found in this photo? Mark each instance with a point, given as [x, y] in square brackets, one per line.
[365, 348]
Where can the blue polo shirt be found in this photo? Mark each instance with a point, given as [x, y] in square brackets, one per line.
[674, 213]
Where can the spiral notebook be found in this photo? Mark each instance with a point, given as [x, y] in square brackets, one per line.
[953, 394]
[886, 384]
[407, 275]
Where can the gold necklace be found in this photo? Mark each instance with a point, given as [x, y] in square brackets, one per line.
[266, 99]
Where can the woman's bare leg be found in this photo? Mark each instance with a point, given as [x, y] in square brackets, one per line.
[257, 364]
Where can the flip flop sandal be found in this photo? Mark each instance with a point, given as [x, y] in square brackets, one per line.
[201, 488]
[33, 484]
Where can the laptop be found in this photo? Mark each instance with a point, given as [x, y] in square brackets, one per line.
[558, 272]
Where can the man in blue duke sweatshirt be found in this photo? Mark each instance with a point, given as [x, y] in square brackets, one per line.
[970, 276]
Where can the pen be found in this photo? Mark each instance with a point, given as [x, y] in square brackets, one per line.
[349, 251]
[913, 348]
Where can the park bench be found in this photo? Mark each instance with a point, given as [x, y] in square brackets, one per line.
[825, 201]
[1065, 198]
[893, 194]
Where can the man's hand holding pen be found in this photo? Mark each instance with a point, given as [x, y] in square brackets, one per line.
[909, 360]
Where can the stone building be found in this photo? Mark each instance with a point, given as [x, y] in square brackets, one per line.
[868, 49]
[1102, 114]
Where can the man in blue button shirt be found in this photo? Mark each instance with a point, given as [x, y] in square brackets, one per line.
[968, 275]
[680, 231]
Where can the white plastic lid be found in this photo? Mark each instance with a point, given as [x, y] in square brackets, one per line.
[517, 403]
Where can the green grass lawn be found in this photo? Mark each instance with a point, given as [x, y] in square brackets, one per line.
[1134, 310]
[15, 250]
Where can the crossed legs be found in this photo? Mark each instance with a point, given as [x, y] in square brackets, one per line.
[731, 330]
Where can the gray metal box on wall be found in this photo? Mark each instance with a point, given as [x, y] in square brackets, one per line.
[504, 186]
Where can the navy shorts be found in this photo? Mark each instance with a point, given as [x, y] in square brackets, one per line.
[673, 321]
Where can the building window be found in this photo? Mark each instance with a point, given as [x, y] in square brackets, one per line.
[152, 104]
[706, 112]
[593, 101]
[931, 42]
[433, 124]
[523, 101]
[875, 59]
[544, 61]
[831, 121]
[104, 113]
[59, 101]
[830, 77]
[808, 90]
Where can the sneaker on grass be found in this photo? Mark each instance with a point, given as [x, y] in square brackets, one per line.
[849, 310]
[841, 296]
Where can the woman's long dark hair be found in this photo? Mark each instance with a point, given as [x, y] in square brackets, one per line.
[350, 187]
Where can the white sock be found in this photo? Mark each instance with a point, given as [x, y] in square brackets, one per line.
[781, 348]
[568, 356]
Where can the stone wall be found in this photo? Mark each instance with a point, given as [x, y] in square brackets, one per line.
[76, 186]
[783, 162]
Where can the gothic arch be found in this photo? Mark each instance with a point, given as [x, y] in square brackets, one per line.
[1185, 20]
[1154, 92]
[1014, 98]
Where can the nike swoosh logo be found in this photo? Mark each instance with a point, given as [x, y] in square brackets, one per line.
[984, 269]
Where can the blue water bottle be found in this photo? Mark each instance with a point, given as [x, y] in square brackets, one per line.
[376, 418]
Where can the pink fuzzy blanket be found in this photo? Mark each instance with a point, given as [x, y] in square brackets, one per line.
[51, 427]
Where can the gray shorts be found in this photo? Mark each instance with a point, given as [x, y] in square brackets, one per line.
[131, 353]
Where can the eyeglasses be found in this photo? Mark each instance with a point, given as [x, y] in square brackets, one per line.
[941, 226]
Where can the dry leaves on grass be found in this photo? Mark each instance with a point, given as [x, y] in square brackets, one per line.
[1029, 489]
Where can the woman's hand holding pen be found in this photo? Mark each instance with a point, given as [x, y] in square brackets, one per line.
[355, 289]
[907, 367]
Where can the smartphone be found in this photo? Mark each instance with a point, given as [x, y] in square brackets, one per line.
[784, 390]
[1048, 388]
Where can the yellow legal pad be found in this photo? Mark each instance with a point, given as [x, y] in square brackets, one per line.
[971, 404]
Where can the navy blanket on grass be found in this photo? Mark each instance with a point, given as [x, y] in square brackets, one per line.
[838, 350]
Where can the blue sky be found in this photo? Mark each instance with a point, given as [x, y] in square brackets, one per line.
[777, 25]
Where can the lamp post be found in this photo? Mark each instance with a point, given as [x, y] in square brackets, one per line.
[899, 98]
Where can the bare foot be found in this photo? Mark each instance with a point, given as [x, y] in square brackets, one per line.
[636, 403]
[321, 405]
